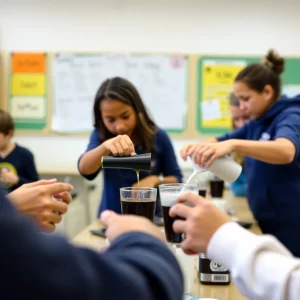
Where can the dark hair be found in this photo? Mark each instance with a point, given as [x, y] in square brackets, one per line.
[236, 156]
[258, 75]
[121, 89]
[6, 122]
[233, 101]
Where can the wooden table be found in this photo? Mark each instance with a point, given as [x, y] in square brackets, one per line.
[48, 172]
[85, 238]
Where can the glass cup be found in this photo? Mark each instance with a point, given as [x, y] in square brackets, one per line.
[216, 187]
[168, 196]
[202, 187]
[216, 191]
[139, 201]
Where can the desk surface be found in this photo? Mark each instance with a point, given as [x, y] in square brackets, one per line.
[48, 172]
[85, 238]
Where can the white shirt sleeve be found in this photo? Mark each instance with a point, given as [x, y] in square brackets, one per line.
[261, 267]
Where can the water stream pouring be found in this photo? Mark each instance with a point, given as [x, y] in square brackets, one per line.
[225, 168]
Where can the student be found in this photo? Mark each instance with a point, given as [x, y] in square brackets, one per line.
[16, 163]
[239, 119]
[271, 142]
[261, 267]
[39, 266]
[123, 127]
[30, 200]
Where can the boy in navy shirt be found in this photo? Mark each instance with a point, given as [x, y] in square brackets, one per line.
[16, 163]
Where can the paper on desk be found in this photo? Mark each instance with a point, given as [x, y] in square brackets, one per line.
[211, 110]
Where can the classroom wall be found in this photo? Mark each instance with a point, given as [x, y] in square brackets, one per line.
[190, 26]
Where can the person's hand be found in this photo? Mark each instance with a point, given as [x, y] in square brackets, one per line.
[36, 200]
[117, 225]
[149, 181]
[188, 150]
[120, 145]
[201, 219]
[9, 177]
[206, 153]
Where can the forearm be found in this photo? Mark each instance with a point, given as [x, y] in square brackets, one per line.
[170, 179]
[251, 258]
[144, 257]
[90, 162]
[155, 181]
[280, 151]
[211, 140]
[70, 272]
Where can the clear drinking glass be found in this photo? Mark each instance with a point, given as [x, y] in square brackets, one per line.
[140, 201]
[168, 196]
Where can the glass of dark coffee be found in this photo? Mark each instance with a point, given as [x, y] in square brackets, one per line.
[216, 188]
[138, 201]
[202, 187]
[168, 196]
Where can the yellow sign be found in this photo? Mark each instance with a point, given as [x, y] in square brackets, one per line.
[28, 85]
[217, 81]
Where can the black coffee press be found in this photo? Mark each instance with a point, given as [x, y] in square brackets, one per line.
[136, 162]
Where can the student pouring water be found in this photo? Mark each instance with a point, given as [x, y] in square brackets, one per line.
[271, 143]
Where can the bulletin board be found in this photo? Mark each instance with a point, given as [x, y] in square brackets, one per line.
[27, 90]
[215, 78]
[188, 94]
[162, 80]
[291, 77]
[2, 82]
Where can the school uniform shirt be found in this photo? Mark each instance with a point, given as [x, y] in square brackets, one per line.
[34, 265]
[20, 162]
[164, 163]
[274, 190]
[239, 187]
[261, 267]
